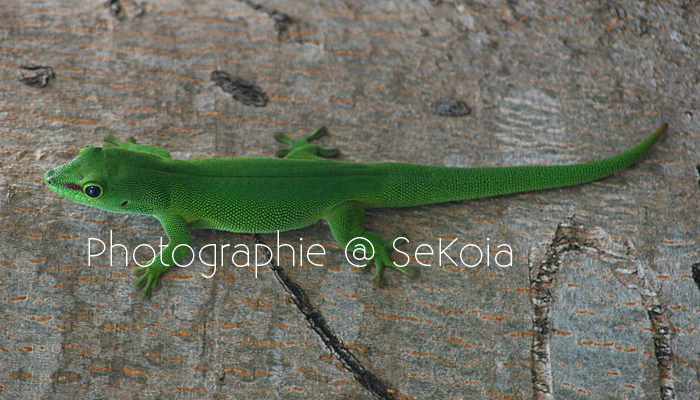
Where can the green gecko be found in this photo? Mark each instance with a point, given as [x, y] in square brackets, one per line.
[262, 195]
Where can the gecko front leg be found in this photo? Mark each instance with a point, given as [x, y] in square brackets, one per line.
[177, 247]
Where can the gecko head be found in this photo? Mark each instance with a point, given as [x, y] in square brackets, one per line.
[85, 180]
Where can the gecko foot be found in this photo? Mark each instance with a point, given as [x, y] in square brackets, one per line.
[302, 145]
[130, 144]
[381, 259]
[113, 141]
[149, 281]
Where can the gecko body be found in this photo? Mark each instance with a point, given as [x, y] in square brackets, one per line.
[260, 194]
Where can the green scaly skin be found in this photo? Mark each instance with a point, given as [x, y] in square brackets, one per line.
[258, 194]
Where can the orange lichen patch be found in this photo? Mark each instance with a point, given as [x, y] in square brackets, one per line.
[129, 87]
[341, 100]
[18, 136]
[238, 370]
[396, 317]
[133, 371]
[348, 295]
[352, 346]
[172, 128]
[269, 344]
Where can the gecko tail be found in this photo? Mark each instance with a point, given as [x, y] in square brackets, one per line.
[432, 184]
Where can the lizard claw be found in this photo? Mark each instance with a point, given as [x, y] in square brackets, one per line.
[139, 270]
[382, 260]
[379, 274]
[301, 148]
[148, 281]
[113, 141]
[319, 132]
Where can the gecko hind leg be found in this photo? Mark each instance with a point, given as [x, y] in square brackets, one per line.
[382, 260]
[302, 148]
[347, 223]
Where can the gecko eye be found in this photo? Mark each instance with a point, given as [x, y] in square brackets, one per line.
[92, 189]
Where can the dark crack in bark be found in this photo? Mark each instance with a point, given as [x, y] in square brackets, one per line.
[319, 325]
[627, 269]
[281, 20]
[116, 9]
[542, 275]
[242, 90]
[448, 107]
[696, 274]
[38, 77]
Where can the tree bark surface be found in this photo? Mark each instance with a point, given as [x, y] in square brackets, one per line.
[602, 297]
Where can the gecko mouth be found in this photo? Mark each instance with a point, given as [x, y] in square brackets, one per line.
[63, 189]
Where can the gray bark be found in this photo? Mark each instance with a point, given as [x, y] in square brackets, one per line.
[547, 82]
